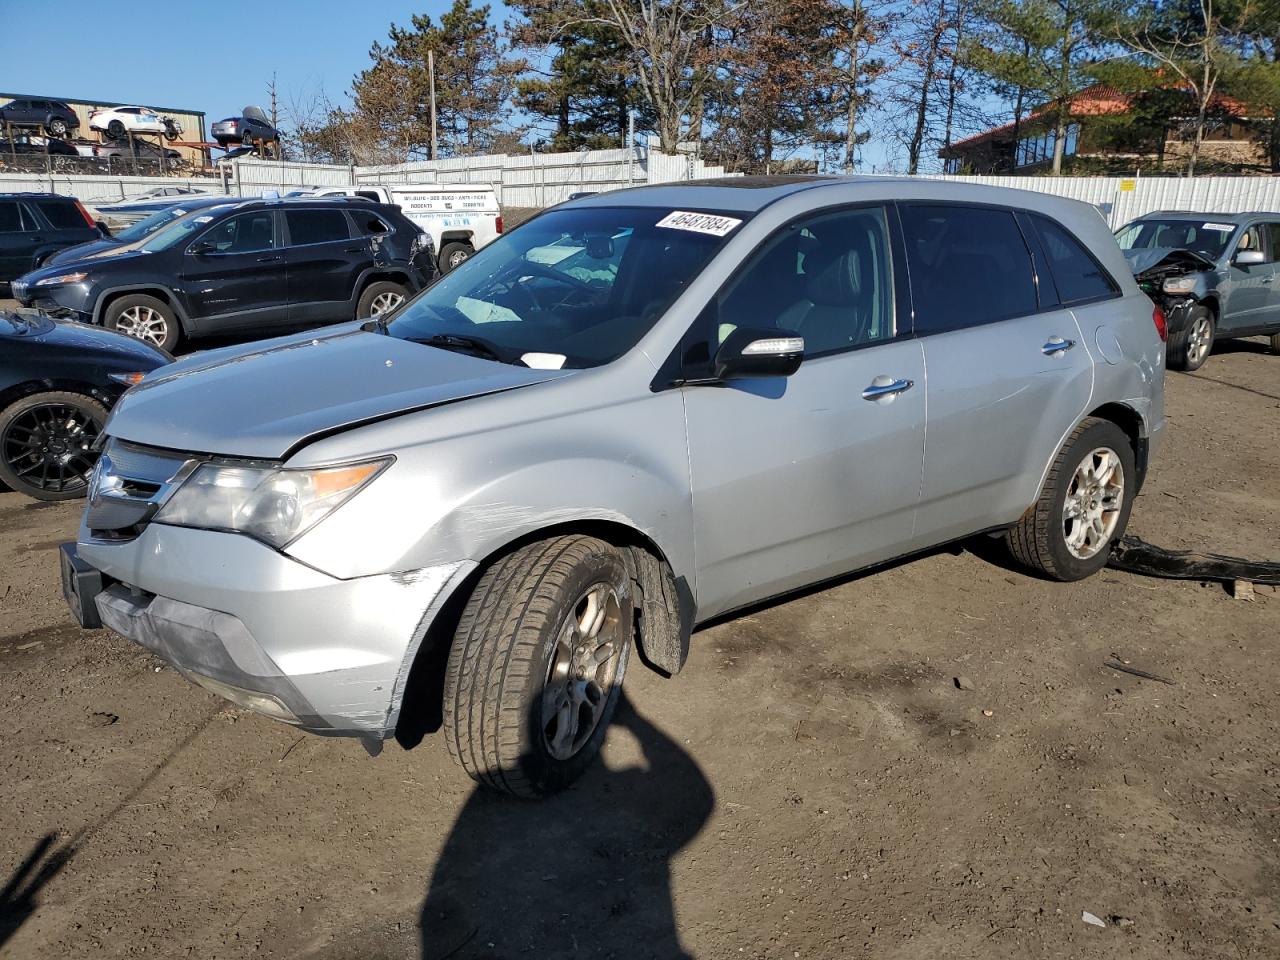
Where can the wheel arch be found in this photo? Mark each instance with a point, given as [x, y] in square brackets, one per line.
[1135, 428]
[662, 634]
[111, 294]
[18, 391]
[458, 236]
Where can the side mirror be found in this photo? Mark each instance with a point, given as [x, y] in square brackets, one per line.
[1248, 258]
[748, 352]
[201, 249]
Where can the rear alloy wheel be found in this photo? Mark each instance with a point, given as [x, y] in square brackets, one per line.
[46, 444]
[379, 299]
[1083, 507]
[537, 663]
[452, 256]
[57, 127]
[144, 318]
[1190, 347]
[1275, 343]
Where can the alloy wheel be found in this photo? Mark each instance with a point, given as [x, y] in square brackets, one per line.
[1199, 339]
[456, 258]
[50, 447]
[144, 323]
[384, 303]
[1093, 503]
[585, 664]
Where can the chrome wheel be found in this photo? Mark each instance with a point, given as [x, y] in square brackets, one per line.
[1199, 339]
[1093, 503]
[586, 662]
[50, 447]
[144, 323]
[386, 302]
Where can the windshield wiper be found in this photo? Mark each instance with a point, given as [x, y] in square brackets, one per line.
[460, 344]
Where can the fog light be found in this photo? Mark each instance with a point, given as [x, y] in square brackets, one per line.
[262, 703]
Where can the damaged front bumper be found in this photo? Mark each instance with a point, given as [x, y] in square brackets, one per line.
[269, 633]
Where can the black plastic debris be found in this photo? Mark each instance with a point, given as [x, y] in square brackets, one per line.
[1135, 555]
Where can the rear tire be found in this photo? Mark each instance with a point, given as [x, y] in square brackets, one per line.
[115, 130]
[1190, 347]
[1275, 343]
[1048, 539]
[452, 256]
[537, 664]
[57, 127]
[144, 318]
[380, 297]
[45, 442]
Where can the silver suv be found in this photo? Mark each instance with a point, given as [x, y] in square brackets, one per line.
[636, 412]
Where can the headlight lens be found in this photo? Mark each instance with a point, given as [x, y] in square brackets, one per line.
[1180, 285]
[61, 279]
[273, 504]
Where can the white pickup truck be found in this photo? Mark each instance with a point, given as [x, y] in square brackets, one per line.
[461, 218]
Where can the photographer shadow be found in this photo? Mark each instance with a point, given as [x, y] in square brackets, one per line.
[585, 873]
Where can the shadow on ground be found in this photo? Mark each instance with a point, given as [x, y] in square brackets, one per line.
[585, 873]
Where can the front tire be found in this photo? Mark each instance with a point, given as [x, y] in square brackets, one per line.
[537, 664]
[380, 297]
[144, 318]
[1083, 508]
[1190, 347]
[115, 130]
[1275, 343]
[46, 442]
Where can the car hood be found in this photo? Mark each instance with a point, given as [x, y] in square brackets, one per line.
[1142, 259]
[81, 338]
[80, 250]
[84, 261]
[265, 400]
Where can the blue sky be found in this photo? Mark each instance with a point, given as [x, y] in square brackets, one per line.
[210, 55]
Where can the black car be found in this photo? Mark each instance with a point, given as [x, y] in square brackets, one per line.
[241, 129]
[57, 382]
[52, 116]
[138, 231]
[245, 267]
[24, 145]
[34, 226]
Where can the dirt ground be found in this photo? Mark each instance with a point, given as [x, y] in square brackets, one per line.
[815, 784]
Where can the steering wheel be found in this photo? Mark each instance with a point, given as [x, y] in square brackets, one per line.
[533, 266]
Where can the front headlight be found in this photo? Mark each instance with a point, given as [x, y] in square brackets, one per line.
[1179, 285]
[273, 504]
[61, 279]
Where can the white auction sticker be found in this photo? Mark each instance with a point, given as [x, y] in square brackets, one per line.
[710, 223]
[1220, 227]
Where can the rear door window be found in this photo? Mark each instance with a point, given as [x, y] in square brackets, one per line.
[371, 224]
[316, 226]
[1273, 233]
[1077, 275]
[10, 217]
[63, 216]
[969, 265]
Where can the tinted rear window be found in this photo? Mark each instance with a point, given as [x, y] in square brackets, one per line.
[316, 226]
[63, 216]
[1077, 275]
[969, 266]
[10, 218]
[371, 224]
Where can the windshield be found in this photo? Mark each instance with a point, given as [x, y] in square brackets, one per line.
[183, 228]
[149, 225]
[571, 288]
[1199, 236]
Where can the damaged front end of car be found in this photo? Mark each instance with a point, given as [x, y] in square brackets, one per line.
[1176, 280]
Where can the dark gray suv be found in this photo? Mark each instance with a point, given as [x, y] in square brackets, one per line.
[1228, 289]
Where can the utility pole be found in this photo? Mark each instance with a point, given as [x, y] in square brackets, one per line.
[431, 81]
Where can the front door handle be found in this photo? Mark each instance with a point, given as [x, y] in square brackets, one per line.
[354, 250]
[1056, 345]
[1264, 279]
[886, 388]
[268, 259]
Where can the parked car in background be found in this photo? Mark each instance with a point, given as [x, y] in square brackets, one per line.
[138, 231]
[57, 382]
[243, 129]
[1227, 288]
[236, 153]
[52, 116]
[632, 414]
[248, 267]
[139, 150]
[461, 218]
[34, 226]
[117, 122]
[24, 144]
[123, 213]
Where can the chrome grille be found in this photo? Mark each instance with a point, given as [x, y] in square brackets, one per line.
[129, 484]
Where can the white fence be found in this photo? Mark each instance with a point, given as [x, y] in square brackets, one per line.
[1122, 198]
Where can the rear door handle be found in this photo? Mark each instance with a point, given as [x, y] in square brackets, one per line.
[354, 250]
[268, 259]
[886, 388]
[1056, 345]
